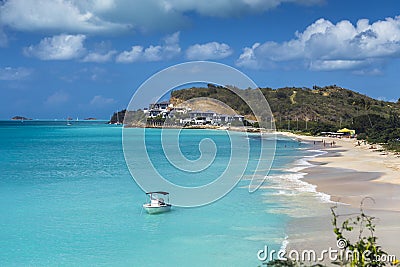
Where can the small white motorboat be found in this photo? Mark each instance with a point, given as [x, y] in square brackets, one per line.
[157, 203]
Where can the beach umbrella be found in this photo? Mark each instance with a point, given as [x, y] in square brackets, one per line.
[348, 131]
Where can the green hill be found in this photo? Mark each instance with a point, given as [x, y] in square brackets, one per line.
[314, 110]
[328, 104]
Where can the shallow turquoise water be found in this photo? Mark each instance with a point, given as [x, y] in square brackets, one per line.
[68, 199]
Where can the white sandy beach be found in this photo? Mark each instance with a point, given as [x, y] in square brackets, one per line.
[350, 172]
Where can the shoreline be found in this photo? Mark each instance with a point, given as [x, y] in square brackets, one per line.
[348, 173]
[201, 127]
[359, 164]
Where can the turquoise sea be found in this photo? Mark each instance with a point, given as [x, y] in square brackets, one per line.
[67, 199]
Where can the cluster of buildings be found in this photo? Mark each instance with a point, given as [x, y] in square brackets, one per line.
[187, 116]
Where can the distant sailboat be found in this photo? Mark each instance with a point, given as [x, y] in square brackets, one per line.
[118, 122]
[115, 122]
[69, 121]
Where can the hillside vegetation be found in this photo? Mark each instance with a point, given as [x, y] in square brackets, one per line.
[314, 110]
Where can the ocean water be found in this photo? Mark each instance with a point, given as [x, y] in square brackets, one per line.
[67, 198]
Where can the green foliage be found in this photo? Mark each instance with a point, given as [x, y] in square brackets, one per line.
[379, 129]
[130, 117]
[322, 127]
[393, 145]
[281, 95]
[321, 109]
[365, 251]
[157, 119]
[330, 104]
[362, 136]
[118, 116]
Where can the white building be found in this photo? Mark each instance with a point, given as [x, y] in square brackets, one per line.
[159, 109]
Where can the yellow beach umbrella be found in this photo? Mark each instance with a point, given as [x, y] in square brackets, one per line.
[348, 131]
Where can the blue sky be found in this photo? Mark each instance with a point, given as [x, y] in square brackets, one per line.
[62, 58]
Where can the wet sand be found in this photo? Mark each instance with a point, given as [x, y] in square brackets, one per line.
[349, 173]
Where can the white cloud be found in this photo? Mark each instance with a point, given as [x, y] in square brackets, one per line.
[12, 74]
[57, 98]
[99, 57]
[212, 50]
[130, 56]
[227, 8]
[102, 51]
[168, 50]
[105, 16]
[60, 47]
[336, 64]
[99, 100]
[59, 15]
[248, 59]
[327, 46]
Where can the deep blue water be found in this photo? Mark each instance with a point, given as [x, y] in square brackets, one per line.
[67, 199]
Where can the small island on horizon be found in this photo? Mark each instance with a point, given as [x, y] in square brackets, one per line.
[20, 118]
